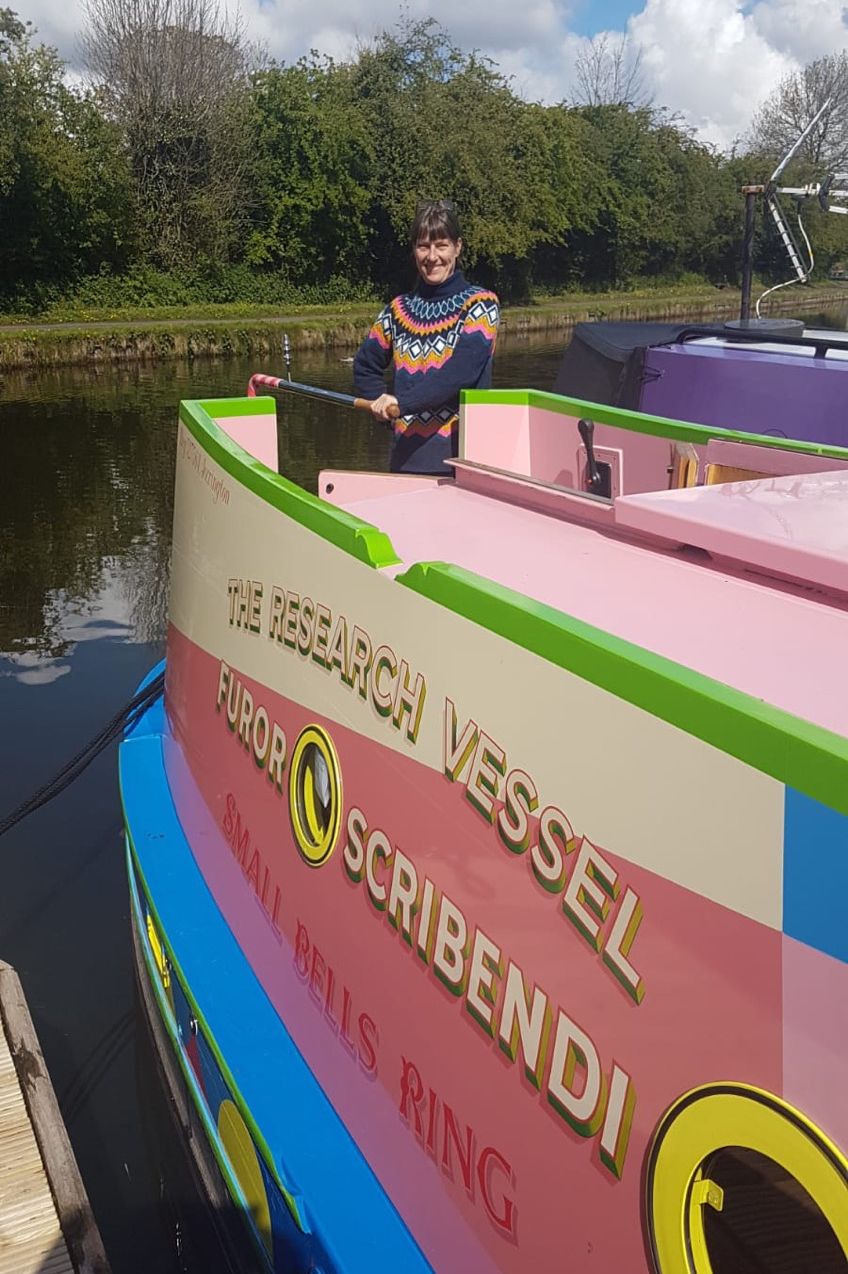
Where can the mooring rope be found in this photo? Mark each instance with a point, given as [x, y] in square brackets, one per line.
[123, 720]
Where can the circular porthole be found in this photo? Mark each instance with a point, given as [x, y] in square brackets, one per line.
[768, 1221]
[739, 1182]
[315, 795]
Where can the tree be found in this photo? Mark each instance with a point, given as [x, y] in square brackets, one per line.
[794, 103]
[608, 71]
[445, 123]
[14, 38]
[396, 83]
[312, 173]
[64, 190]
[174, 75]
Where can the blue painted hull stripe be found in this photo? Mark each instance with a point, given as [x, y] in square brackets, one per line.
[815, 874]
[185, 1066]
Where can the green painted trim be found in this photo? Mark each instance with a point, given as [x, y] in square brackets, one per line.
[366, 543]
[794, 751]
[243, 1108]
[212, 1134]
[637, 422]
[217, 407]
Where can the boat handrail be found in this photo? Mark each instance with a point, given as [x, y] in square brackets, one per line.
[552, 498]
[820, 344]
[492, 471]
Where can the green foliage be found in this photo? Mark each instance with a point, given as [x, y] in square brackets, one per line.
[444, 123]
[174, 80]
[65, 202]
[668, 205]
[312, 165]
[228, 290]
[300, 185]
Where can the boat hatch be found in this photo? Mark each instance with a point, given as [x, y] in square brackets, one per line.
[788, 526]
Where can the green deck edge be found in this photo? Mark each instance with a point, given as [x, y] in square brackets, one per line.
[796, 752]
[360, 539]
[636, 422]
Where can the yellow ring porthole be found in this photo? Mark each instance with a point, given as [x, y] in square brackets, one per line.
[315, 795]
[728, 1120]
[244, 1162]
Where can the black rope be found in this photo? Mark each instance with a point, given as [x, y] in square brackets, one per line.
[122, 721]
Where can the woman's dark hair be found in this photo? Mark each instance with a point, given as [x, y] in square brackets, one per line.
[435, 219]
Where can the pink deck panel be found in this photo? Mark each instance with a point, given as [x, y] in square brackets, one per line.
[545, 445]
[720, 624]
[256, 434]
[793, 525]
[532, 441]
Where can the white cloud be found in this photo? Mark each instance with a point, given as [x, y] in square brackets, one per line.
[544, 73]
[34, 670]
[713, 61]
[803, 29]
[708, 60]
[58, 24]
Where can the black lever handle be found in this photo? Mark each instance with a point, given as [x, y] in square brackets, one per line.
[594, 481]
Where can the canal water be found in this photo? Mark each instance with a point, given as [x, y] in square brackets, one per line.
[85, 523]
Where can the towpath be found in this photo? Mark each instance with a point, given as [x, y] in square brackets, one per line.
[111, 325]
[546, 311]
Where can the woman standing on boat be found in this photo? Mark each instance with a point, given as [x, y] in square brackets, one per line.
[440, 339]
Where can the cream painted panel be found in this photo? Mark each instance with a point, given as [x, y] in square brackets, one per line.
[642, 789]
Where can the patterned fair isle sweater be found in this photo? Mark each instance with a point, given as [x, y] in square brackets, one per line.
[440, 339]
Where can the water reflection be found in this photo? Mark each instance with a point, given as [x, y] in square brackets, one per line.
[834, 318]
[85, 512]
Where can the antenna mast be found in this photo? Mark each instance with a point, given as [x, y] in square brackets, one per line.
[823, 191]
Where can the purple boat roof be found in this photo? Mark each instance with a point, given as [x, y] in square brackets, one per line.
[764, 389]
[767, 383]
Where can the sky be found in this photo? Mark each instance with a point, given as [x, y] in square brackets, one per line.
[710, 61]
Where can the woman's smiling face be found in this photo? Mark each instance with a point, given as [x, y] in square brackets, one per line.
[436, 258]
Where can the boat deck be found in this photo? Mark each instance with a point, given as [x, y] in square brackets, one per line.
[675, 603]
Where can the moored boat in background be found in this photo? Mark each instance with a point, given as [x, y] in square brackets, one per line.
[756, 374]
[775, 378]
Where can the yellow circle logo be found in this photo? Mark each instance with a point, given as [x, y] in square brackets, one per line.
[735, 1169]
[315, 795]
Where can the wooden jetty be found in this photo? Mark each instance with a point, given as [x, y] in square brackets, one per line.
[46, 1222]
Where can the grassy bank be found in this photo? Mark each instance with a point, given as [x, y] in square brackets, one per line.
[223, 331]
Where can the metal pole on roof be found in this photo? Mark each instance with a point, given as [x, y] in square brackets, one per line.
[750, 193]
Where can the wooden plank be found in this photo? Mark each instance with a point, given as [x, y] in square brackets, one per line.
[46, 1222]
[684, 465]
